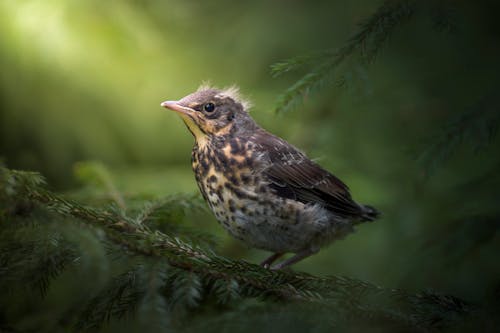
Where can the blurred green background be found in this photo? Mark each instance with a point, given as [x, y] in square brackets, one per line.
[83, 81]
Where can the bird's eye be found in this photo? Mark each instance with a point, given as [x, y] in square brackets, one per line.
[209, 107]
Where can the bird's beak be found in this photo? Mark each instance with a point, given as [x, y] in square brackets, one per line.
[175, 106]
[188, 115]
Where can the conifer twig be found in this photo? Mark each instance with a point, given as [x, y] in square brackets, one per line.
[418, 310]
[476, 125]
[369, 39]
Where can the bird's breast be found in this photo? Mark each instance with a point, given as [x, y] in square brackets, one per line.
[231, 162]
[225, 174]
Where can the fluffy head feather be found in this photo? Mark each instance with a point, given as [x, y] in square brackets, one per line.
[232, 92]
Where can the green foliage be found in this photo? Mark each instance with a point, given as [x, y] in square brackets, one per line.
[118, 299]
[19, 266]
[366, 43]
[477, 126]
[171, 278]
[327, 67]
[122, 253]
[96, 175]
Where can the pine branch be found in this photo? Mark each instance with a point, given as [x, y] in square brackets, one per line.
[33, 260]
[226, 291]
[153, 311]
[367, 42]
[309, 83]
[351, 295]
[57, 259]
[97, 174]
[164, 215]
[477, 126]
[184, 291]
[292, 64]
[119, 299]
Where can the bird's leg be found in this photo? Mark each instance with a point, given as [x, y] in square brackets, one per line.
[266, 263]
[296, 258]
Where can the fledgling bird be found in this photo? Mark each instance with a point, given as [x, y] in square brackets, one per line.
[262, 190]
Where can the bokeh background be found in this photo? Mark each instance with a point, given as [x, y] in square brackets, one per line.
[83, 81]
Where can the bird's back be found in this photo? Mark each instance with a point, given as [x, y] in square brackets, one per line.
[293, 175]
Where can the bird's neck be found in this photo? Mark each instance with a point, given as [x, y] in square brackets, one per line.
[211, 141]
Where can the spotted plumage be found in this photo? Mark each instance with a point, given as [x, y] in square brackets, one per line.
[261, 189]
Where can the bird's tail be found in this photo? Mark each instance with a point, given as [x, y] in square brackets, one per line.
[369, 213]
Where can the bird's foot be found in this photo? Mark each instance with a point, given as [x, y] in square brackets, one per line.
[296, 258]
[267, 263]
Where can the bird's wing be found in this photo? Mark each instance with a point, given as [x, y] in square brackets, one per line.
[292, 175]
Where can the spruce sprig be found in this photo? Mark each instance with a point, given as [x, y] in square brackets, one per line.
[193, 272]
[366, 43]
[476, 126]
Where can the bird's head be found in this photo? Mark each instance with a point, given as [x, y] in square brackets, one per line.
[212, 112]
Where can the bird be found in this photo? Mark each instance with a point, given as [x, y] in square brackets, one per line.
[261, 189]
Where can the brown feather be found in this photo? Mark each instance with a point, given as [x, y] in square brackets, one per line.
[294, 176]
